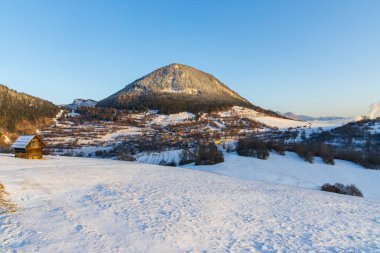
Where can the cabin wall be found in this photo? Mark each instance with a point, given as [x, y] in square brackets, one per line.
[34, 153]
[20, 155]
[34, 149]
[35, 144]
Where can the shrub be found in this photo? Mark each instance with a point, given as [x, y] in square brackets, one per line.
[367, 160]
[208, 154]
[46, 151]
[327, 155]
[325, 152]
[6, 150]
[5, 205]
[279, 147]
[304, 152]
[123, 156]
[170, 164]
[373, 161]
[353, 191]
[329, 188]
[186, 157]
[101, 153]
[342, 189]
[253, 148]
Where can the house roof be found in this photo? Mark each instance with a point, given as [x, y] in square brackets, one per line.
[23, 141]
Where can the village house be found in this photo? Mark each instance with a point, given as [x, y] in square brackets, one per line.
[28, 147]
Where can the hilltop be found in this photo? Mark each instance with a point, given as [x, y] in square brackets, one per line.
[177, 88]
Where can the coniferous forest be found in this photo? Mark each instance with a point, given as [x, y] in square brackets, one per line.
[18, 110]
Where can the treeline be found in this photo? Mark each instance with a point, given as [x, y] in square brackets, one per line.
[255, 147]
[169, 103]
[97, 114]
[16, 108]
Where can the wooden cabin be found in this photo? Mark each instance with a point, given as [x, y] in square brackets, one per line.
[28, 147]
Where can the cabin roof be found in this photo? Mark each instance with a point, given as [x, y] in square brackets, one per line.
[23, 141]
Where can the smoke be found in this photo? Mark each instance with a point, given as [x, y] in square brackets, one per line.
[373, 110]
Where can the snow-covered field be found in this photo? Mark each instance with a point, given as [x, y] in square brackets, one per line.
[292, 170]
[90, 205]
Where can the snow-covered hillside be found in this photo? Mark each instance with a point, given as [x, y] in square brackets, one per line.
[280, 122]
[292, 170]
[172, 119]
[91, 205]
[288, 170]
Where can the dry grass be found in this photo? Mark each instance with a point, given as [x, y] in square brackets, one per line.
[6, 206]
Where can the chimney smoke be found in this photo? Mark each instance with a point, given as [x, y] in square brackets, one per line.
[373, 110]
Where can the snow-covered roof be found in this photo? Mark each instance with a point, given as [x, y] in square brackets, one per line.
[22, 141]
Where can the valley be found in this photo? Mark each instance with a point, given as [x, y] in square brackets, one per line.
[133, 133]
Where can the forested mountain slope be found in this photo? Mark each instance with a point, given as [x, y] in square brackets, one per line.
[22, 113]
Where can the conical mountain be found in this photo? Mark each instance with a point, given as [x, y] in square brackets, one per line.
[176, 88]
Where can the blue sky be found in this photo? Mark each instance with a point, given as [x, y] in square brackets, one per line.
[309, 57]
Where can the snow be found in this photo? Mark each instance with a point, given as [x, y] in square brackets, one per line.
[80, 102]
[73, 114]
[292, 170]
[128, 131]
[108, 137]
[22, 141]
[280, 123]
[171, 119]
[375, 128]
[123, 132]
[170, 156]
[92, 205]
[59, 115]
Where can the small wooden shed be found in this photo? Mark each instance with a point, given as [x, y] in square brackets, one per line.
[28, 147]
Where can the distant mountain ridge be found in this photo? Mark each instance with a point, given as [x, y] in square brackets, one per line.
[80, 102]
[308, 118]
[177, 88]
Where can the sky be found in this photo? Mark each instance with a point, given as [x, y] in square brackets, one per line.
[315, 57]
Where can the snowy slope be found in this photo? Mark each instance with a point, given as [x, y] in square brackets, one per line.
[113, 136]
[279, 122]
[292, 170]
[89, 205]
[172, 119]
